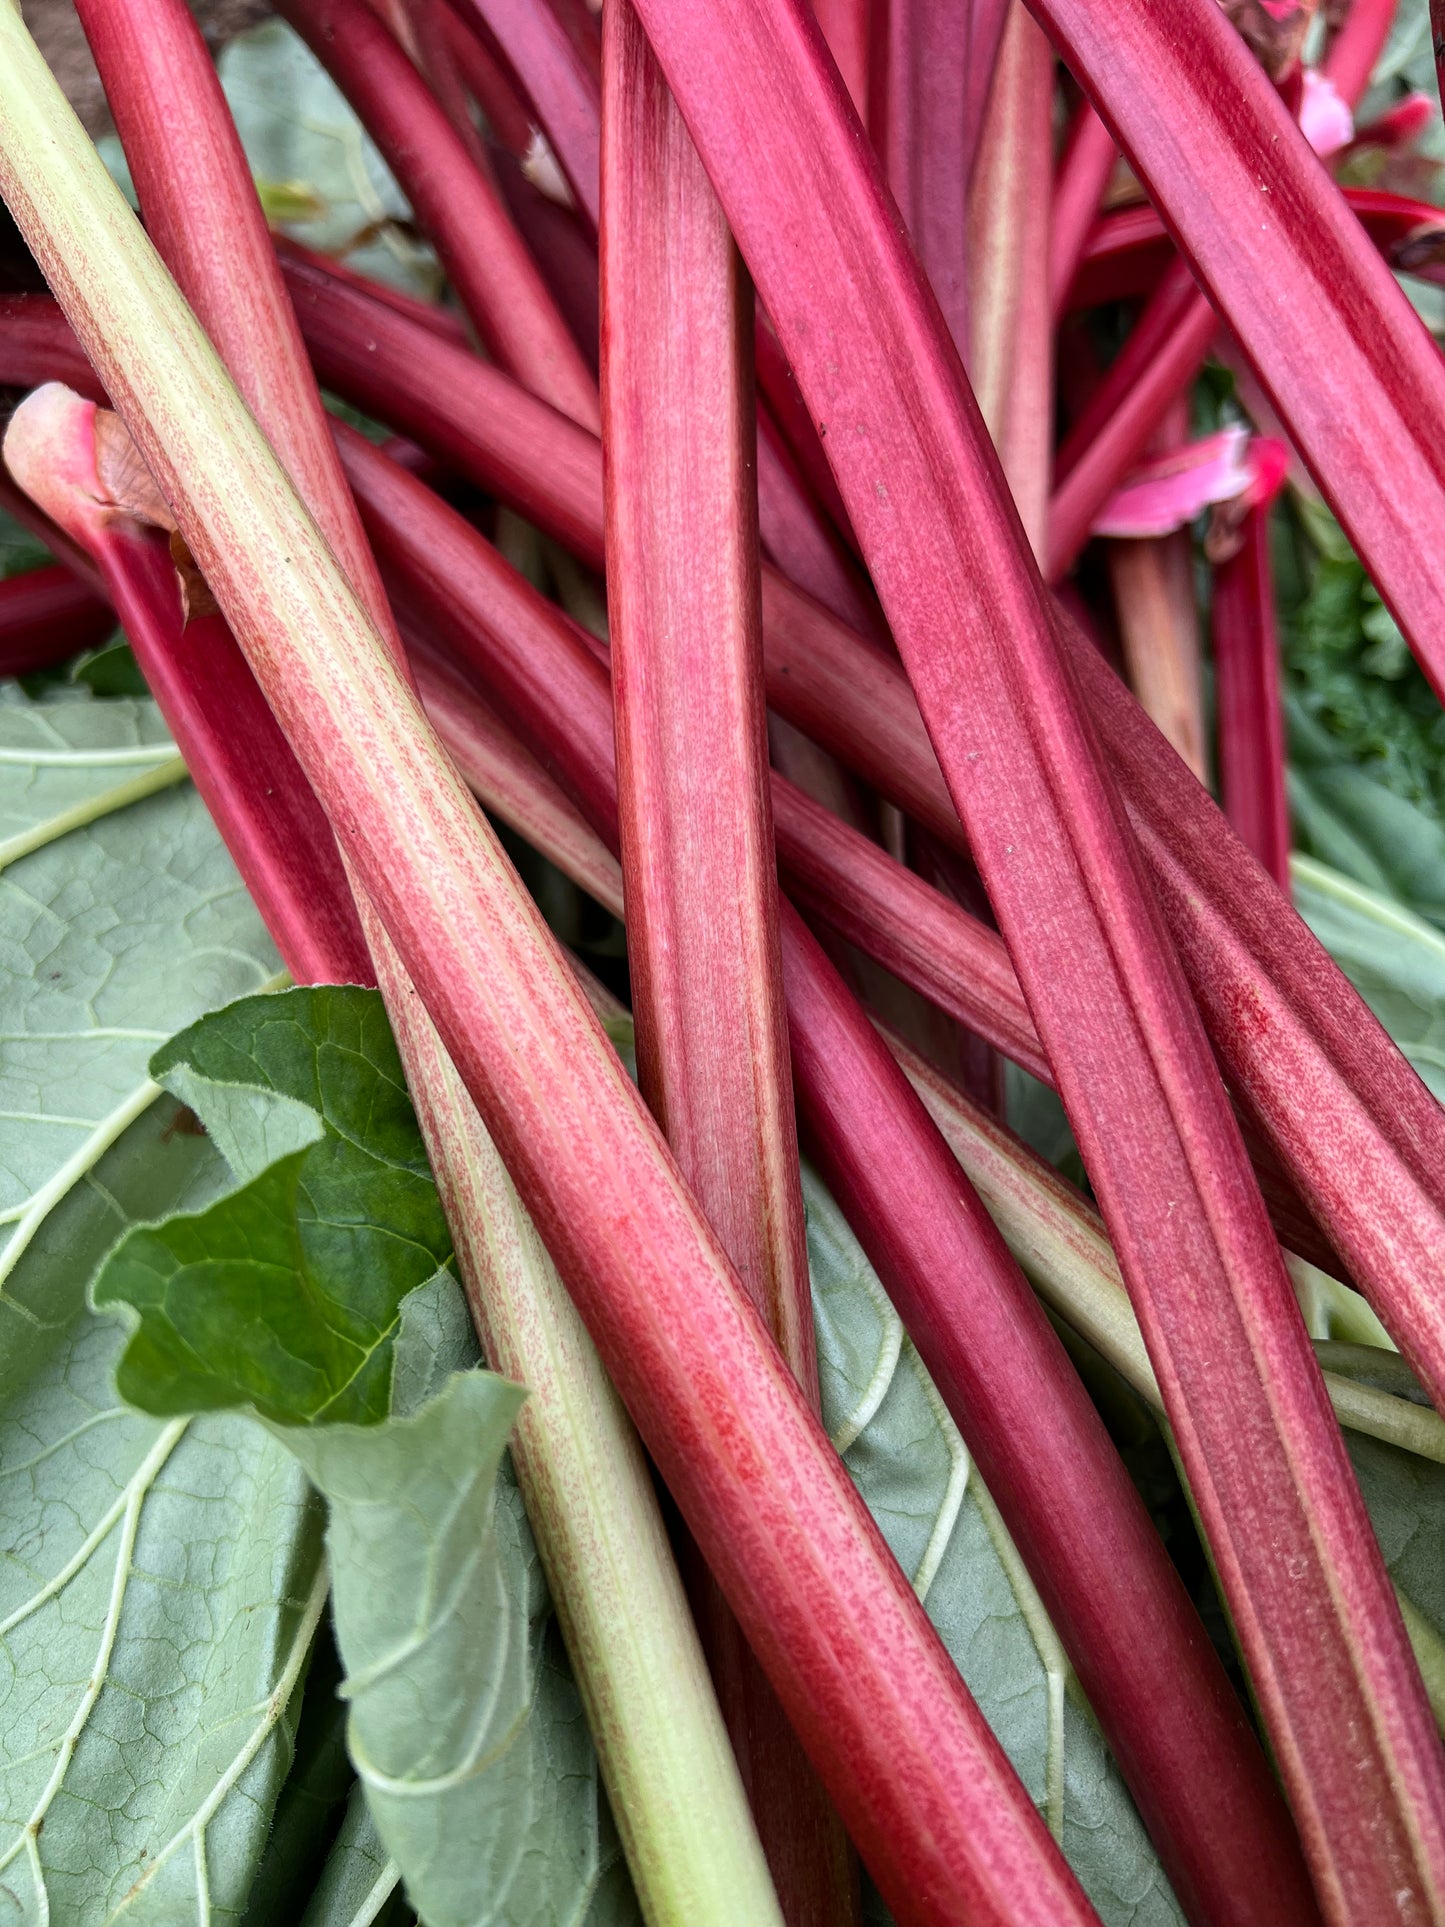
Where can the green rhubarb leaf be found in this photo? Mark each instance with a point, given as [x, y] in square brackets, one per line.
[911, 1466]
[159, 1581]
[360, 1885]
[1394, 959]
[326, 1266]
[303, 140]
[285, 1294]
[465, 1724]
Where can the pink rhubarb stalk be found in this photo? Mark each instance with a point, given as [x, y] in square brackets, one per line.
[558, 83]
[853, 699]
[1011, 350]
[1317, 1619]
[919, 75]
[1247, 690]
[694, 823]
[919, 1779]
[956, 1290]
[1355, 378]
[1156, 364]
[485, 260]
[1083, 173]
[253, 787]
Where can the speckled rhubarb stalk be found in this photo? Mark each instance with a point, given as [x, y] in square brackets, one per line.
[694, 821]
[1083, 173]
[922, 1784]
[1317, 1619]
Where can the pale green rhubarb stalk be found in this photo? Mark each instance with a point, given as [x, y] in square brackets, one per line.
[1317, 1619]
[696, 830]
[921, 1783]
[663, 1748]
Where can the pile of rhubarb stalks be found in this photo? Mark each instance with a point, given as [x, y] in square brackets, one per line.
[795, 352]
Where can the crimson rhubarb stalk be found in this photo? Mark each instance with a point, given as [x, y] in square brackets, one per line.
[1247, 690]
[47, 615]
[1338, 1687]
[694, 824]
[556, 79]
[919, 80]
[919, 1779]
[1083, 173]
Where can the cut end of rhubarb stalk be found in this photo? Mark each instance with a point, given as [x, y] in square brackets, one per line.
[78, 462]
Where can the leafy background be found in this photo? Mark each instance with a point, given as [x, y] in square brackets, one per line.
[173, 1743]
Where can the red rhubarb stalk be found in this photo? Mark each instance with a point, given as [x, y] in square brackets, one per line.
[694, 823]
[558, 83]
[919, 75]
[1339, 1689]
[46, 615]
[1011, 349]
[1355, 378]
[1156, 364]
[253, 787]
[1247, 693]
[855, 701]
[1129, 250]
[1083, 173]
[921, 1782]
[494, 277]
[956, 1290]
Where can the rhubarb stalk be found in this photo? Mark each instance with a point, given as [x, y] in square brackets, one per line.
[960, 1297]
[46, 615]
[693, 1848]
[694, 823]
[1083, 173]
[1010, 338]
[1340, 353]
[1247, 691]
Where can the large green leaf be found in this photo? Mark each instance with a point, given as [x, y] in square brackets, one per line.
[908, 1461]
[159, 1582]
[285, 1294]
[360, 1885]
[1394, 959]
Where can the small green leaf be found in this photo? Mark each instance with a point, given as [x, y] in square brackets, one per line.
[465, 1726]
[159, 1582]
[285, 1294]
